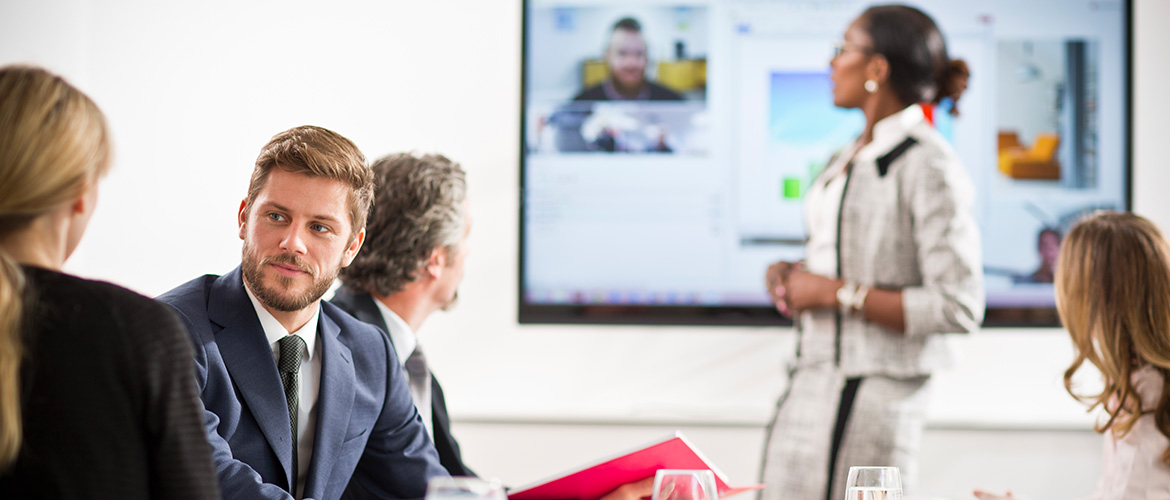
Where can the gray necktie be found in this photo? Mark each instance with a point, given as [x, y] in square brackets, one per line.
[292, 350]
[420, 384]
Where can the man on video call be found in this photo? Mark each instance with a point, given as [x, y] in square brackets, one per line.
[410, 267]
[626, 59]
[301, 400]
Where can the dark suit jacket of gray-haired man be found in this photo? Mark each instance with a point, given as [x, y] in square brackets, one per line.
[362, 307]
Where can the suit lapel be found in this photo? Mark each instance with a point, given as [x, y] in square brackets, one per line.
[334, 404]
[444, 442]
[249, 360]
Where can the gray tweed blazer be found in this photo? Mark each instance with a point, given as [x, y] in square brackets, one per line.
[905, 223]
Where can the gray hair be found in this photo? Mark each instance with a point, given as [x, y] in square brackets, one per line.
[418, 207]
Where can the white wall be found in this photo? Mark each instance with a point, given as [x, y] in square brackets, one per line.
[193, 90]
[1151, 103]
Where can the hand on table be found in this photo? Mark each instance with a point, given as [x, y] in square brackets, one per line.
[636, 490]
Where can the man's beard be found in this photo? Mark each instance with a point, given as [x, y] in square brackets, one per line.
[274, 297]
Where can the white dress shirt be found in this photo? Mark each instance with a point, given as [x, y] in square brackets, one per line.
[405, 342]
[310, 381]
[821, 208]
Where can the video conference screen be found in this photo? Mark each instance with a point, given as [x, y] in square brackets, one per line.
[667, 204]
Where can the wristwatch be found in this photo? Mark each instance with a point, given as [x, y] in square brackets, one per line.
[851, 298]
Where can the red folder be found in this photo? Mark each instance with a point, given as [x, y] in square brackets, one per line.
[596, 480]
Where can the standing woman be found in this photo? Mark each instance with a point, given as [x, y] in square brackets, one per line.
[893, 262]
[97, 395]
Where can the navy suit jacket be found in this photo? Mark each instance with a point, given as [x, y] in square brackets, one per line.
[362, 307]
[369, 441]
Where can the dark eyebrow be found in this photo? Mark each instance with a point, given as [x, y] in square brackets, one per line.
[282, 208]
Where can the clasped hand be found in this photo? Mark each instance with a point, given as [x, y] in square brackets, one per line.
[794, 289]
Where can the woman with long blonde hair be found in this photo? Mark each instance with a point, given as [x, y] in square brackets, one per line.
[1113, 294]
[97, 398]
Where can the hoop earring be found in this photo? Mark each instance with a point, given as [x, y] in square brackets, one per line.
[871, 86]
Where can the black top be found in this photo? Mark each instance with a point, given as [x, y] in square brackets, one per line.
[108, 400]
[651, 92]
[362, 307]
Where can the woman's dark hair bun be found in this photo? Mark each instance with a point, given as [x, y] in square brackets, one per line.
[952, 83]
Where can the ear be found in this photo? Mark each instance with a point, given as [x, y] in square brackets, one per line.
[78, 207]
[85, 202]
[352, 250]
[437, 262]
[878, 69]
[243, 217]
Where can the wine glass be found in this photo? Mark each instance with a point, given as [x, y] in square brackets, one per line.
[464, 488]
[676, 484]
[873, 483]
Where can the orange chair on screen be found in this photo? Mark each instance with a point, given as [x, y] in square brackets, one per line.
[1037, 162]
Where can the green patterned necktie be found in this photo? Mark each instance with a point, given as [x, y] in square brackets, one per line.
[292, 350]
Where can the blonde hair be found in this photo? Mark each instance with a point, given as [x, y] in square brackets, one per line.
[1113, 294]
[53, 143]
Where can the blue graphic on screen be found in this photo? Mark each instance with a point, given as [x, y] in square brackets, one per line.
[804, 127]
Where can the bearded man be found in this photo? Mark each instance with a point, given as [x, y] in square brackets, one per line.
[301, 400]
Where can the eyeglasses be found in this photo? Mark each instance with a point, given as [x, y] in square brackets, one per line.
[841, 46]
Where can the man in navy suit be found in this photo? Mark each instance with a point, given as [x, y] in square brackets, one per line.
[301, 399]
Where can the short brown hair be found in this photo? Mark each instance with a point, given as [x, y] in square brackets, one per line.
[628, 24]
[318, 152]
[419, 208]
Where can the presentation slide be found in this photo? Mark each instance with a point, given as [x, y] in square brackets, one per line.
[680, 195]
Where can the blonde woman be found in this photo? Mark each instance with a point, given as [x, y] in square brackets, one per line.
[1113, 294]
[97, 398]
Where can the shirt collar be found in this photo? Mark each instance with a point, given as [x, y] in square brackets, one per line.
[275, 331]
[891, 131]
[401, 335]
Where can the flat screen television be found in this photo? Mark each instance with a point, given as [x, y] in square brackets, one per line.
[668, 208]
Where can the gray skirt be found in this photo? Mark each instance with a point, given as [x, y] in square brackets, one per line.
[882, 426]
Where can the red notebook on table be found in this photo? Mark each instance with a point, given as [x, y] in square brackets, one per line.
[595, 480]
